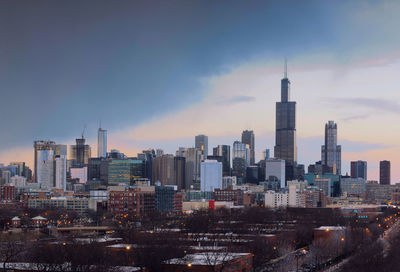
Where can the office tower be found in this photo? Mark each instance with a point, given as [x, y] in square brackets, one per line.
[101, 143]
[159, 152]
[192, 165]
[124, 171]
[275, 170]
[39, 148]
[179, 172]
[60, 149]
[163, 170]
[252, 174]
[358, 169]
[331, 152]
[60, 172]
[80, 152]
[248, 138]
[285, 135]
[266, 154]
[201, 143]
[45, 175]
[20, 167]
[147, 156]
[384, 172]
[211, 175]
[224, 151]
[241, 150]
[239, 169]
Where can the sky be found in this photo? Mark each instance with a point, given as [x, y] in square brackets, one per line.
[157, 73]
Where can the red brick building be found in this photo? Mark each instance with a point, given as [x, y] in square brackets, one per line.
[7, 192]
[133, 202]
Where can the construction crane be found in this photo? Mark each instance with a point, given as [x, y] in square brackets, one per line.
[83, 132]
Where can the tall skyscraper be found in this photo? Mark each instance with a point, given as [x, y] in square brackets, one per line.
[241, 150]
[192, 165]
[211, 175]
[384, 172]
[60, 172]
[101, 143]
[42, 150]
[285, 134]
[163, 170]
[248, 138]
[224, 151]
[179, 172]
[358, 169]
[80, 153]
[266, 154]
[275, 170]
[331, 153]
[201, 143]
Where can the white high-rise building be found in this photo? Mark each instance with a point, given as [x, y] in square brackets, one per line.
[275, 168]
[60, 172]
[101, 143]
[45, 168]
[211, 175]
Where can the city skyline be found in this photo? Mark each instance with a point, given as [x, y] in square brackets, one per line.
[348, 82]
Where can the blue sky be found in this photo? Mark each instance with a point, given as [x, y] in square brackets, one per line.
[153, 71]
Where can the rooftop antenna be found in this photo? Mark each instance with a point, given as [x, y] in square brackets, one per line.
[285, 71]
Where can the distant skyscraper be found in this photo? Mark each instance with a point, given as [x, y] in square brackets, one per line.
[101, 143]
[248, 138]
[201, 143]
[211, 175]
[285, 135]
[179, 172]
[358, 169]
[266, 154]
[41, 152]
[80, 153]
[224, 151]
[163, 170]
[275, 169]
[241, 150]
[159, 152]
[192, 165]
[331, 152]
[384, 172]
[60, 172]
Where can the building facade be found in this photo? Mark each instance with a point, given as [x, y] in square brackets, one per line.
[201, 143]
[248, 138]
[101, 143]
[384, 172]
[331, 152]
[358, 169]
[211, 175]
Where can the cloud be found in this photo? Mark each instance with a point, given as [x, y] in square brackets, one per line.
[371, 103]
[236, 99]
[355, 117]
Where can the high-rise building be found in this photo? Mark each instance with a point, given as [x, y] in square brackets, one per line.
[224, 151]
[101, 143]
[192, 165]
[275, 170]
[80, 153]
[179, 172]
[248, 138]
[159, 152]
[163, 170]
[384, 172]
[211, 175]
[201, 143]
[41, 150]
[124, 171]
[331, 152]
[285, 134]
[20, 167]
[60, 172]
[358, 169]
[266, 154]
[241, 150]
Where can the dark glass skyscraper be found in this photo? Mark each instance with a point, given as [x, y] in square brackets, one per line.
[358, 169]
[224, 151]
[384, 172]
[331, 153]
[285, 134]
[248, 138]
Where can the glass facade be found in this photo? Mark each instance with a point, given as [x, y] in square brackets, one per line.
[124, 171]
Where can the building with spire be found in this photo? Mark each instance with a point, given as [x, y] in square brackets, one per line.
[285, 133]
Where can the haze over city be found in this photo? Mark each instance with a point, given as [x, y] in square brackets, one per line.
[156, 74]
